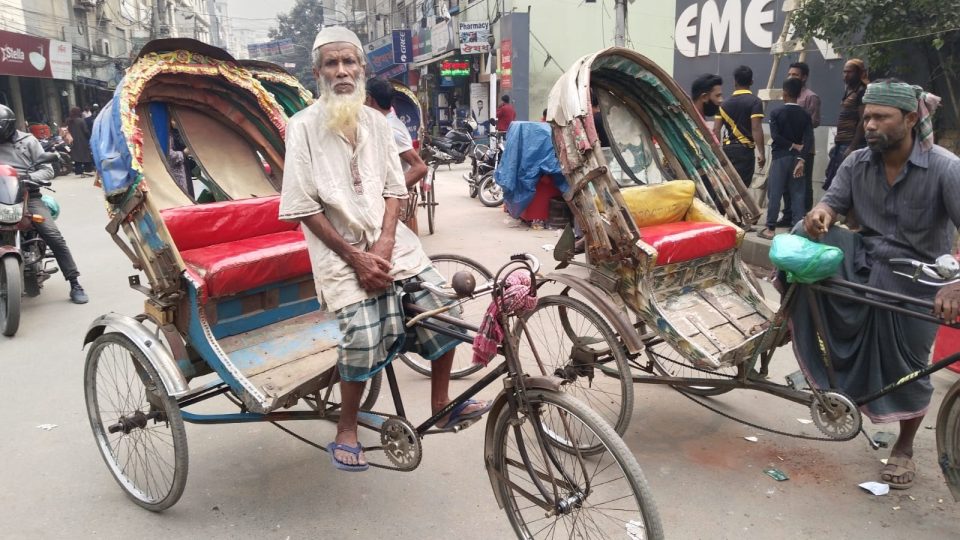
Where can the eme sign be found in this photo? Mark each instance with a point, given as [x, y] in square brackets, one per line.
[717, 26]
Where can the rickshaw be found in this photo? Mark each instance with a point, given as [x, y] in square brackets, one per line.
[663, 296]
[231, 314]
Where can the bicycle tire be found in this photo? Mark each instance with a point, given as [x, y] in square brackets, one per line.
[605, 386]
[431, 208]
[473, 312]
[158, 494]
[670, 363]
[537, 468]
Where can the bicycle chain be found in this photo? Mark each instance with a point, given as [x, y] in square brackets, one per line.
[324, 448]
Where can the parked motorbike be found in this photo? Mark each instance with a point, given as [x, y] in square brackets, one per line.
[484, 160]
[57, 145]
[24, 261]
[457, 142]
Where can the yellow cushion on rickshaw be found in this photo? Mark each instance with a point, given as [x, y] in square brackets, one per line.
[659, 203]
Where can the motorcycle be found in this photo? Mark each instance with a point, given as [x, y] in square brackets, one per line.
[55, 144]
[484, 160]
[24, 260]
[457, 142]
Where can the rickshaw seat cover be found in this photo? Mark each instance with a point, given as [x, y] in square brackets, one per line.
[235, 246]
[202, 225]
[687, 240]
[242, 265]
[659, 203]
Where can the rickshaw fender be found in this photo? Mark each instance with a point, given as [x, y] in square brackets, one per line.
[600, 299]
[159, 357]
[550, 383]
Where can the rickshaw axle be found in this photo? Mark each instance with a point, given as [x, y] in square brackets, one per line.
[137, 420]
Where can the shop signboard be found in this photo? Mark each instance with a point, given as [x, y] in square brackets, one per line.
[473, 37]
[403, 47]
[29, 56]
[506, 64]
[271, 48]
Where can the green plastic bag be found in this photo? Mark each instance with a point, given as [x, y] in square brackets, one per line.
[803, 260]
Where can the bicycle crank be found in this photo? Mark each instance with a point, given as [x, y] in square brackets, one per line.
[836, 416]
[401, 443]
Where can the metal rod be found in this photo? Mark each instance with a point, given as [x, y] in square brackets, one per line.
[395, 390]
[494, 374]
[880, 304]
[822, 332]
[912, 376]
[778, 390]
[243, 418]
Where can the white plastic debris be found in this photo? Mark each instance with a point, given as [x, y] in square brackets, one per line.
[804, 420]
[883, 460]
[751, 438]
[877, 488]
[547, 247]
[47, 427]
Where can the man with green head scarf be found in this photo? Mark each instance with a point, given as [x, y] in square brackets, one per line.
[906, 191]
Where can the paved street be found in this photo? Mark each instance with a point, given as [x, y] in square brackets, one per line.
[252, 481]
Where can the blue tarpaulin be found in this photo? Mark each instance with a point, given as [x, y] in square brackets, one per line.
[111, 155]
[527, 155]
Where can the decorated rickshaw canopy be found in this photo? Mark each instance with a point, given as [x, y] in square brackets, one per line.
[655, 132]
[194, 78]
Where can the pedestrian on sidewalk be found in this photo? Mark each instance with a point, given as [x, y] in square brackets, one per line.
[506, 114]
[810, 102]
[741, 122]
[80, 149]
[849, 122]
[791, 129]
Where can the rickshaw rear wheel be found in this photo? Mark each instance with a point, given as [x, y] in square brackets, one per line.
[602, 495]
[136, 424]
[575, 343]
[668, 362]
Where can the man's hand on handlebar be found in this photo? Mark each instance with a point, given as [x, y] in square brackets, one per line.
[947, 303]
[818, 221]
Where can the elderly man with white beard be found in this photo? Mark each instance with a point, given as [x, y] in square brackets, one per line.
[343, 181]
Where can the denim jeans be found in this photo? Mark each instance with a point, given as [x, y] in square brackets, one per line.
[51, 236]
[780, 181]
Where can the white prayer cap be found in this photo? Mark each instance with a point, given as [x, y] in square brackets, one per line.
[336, 34]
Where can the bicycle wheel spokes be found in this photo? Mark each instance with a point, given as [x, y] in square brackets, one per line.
[548, 492]
[574, 343]
[136, 424]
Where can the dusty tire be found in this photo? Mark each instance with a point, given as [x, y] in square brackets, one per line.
[491, 194]
[145, 479]
[11, 295]
[617, 482]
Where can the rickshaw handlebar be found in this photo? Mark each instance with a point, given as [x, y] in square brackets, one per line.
[481, 288]
[945, 270]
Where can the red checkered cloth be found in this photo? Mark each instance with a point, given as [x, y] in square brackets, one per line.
[517, 299]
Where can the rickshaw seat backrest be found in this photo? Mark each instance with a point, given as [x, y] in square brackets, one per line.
[202, 225]
[657, 204]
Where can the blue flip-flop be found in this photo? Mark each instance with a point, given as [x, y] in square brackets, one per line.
[457, 417]
[355, 450]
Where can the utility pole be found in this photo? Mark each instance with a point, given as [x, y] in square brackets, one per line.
[619, 38]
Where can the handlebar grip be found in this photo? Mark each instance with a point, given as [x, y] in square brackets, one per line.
[412, 286]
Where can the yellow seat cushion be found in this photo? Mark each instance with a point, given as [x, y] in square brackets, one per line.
[659, 203]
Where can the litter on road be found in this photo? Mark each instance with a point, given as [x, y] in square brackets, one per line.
[47, 427]
[877, 488]
[776, 474]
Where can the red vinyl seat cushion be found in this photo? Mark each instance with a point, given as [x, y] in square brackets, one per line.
[687, 240]
[242, 265]
[239, 245]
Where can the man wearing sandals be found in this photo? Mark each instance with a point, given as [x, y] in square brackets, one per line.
[907, 194]
[343, 181]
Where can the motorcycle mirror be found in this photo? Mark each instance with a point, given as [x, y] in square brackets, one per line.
[47, 157]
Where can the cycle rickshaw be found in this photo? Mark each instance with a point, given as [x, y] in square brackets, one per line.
[231, 313]
[663, 296]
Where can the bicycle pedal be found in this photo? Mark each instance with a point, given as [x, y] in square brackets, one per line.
[797, 381]
[462, 425]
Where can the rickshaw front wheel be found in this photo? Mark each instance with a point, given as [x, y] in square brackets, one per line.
[137, 425]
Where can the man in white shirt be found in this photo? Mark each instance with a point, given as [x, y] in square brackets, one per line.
[380, 98]
[342, 180]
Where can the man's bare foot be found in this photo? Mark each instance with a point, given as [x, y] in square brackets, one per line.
[348, 437]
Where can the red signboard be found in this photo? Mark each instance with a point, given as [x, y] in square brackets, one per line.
[29, 56]
[506, 63]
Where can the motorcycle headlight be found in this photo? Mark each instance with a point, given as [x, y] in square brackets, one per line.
[11, 213]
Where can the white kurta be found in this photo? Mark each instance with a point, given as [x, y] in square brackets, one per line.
[324, 173]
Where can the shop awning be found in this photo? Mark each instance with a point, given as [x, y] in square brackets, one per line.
[433, 59]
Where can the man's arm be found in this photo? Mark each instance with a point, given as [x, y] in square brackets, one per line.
[717, 126]
[947, 302]
[34, 150]
[756, 125]
[837, 200]
[373, 271]
[418, 169]
[815, 110]
[807, 139]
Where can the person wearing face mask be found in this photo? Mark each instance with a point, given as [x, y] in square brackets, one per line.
[707, 94]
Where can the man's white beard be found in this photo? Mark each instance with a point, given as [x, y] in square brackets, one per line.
[342, 110]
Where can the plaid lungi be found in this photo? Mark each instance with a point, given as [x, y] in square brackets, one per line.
[373, 332]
